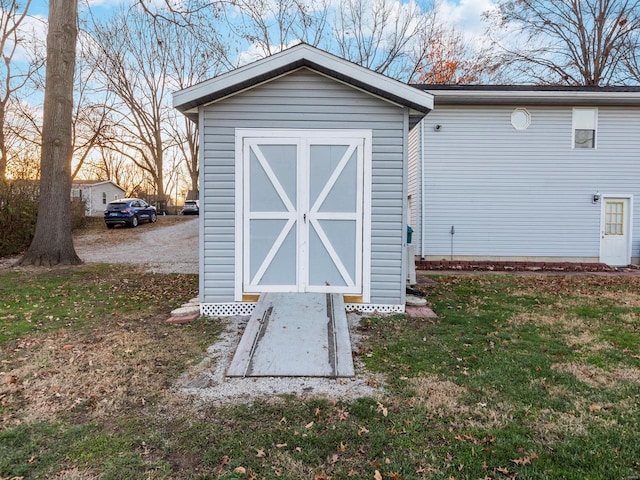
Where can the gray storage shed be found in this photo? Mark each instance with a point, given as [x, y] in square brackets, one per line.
[303, 181]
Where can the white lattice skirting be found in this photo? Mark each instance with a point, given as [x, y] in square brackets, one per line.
[373, 308]
[246, 308]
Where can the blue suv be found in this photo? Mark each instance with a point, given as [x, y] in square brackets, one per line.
[130, 212]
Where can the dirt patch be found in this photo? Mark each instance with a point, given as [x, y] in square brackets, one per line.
[597, 377]
[624, 298]
[434, 393]
[563, 321]
[98, 373]
[76, 474]
[553, 426]
[586, 341]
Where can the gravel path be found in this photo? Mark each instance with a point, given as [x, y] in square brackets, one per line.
[208, 381]
[170, 248]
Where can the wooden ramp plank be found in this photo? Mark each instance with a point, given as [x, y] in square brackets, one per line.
[295, 335]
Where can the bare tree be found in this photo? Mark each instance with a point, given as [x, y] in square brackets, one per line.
[632, 63]
[445, 57]
[192, 59]
[573, 42]
[271, 26]
[132, 62]
[12, 79]
[92, 119]
[53, 243]
[379, 34]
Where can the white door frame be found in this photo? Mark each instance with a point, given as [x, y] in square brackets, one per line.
[305, 137]
[628, 218]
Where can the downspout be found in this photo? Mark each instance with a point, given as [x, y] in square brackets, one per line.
[423, 202]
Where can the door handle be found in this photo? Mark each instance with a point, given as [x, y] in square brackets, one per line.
[304, 217]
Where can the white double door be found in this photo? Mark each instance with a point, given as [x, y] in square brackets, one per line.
[303, 212]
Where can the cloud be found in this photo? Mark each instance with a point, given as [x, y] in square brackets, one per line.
[258, 51]
[33, 32]
[466, 15]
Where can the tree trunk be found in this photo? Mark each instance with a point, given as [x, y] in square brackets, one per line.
[3, 145]
[53, 241]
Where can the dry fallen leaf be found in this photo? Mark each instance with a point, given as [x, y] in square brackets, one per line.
[281, 445]
[240, 470]
[595, 407]
[309, 425]
[382, 409]
[377, 475]
[260, 453]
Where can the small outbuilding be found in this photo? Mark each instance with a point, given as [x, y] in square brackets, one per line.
[96, 194]
[303, 181]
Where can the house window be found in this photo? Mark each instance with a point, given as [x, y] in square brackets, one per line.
[613, 220]
[76, 193]
[585, 121]
[104, 198]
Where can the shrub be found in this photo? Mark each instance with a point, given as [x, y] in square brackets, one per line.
[78, 216]
[19, 212]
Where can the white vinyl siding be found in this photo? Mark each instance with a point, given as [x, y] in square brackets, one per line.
[96, 196]
[303, 99]
[414, 144]
[525, 194]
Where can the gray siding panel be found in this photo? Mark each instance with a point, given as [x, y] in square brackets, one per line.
[524, 193]
[302, 100]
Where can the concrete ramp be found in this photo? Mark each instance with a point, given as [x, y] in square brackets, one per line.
[295, 335]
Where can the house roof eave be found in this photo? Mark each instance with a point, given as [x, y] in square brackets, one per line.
[532, 95]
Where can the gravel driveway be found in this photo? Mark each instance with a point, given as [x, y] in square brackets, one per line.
[169, 246]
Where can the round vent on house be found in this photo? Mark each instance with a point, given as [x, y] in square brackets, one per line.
[520, 119]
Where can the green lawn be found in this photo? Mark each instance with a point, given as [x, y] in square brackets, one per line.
[526, 377]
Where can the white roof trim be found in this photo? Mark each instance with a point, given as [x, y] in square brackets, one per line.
[566, 97]
[101, 182]
[264, 69]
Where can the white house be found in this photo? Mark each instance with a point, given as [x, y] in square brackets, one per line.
[527, 173]
[303, 181]
[96, 194]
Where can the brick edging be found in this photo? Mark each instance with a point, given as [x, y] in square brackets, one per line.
[506, 266]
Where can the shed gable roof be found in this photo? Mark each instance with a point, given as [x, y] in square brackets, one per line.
[300, 56]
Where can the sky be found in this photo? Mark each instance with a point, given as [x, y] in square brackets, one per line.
[465, 15]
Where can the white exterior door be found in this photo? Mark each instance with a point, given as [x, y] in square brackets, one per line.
[303, 212]
[615, 230]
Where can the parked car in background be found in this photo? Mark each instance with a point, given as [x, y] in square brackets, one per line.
[130, 212]
[191, 207]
